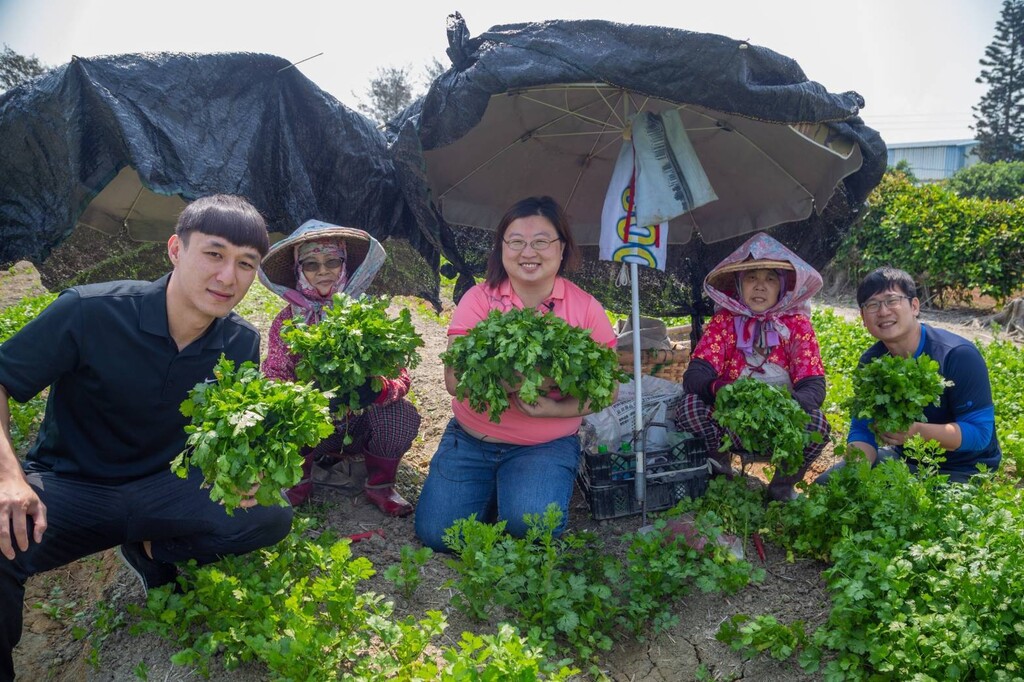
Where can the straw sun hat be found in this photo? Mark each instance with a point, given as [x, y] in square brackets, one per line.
[278, 266]
[722, 278]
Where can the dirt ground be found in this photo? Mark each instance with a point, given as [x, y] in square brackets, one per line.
[790, 591]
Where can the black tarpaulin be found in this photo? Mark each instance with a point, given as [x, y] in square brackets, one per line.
[174, 127]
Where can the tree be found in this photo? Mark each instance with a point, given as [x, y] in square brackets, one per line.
[903, 166]
[999, 115]
[431, 71]
[389, 92]
[393, 89]
[15, 69]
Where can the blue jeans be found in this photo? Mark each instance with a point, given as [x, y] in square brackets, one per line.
[886, 453]
[88, 516]
[495, 481]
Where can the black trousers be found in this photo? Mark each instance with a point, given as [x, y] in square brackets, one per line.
[88, 516]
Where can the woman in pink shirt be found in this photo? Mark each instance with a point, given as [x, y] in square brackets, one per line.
[529, 459]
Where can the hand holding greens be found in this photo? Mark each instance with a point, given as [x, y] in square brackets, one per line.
[893, 391]
[247, 431]
[357, 341]
[521, 349]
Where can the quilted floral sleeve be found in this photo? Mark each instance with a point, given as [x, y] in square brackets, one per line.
[804, 352]
[280, 364]
[718, 340]
[394, 389]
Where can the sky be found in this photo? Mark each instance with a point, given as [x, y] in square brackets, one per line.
[914, 61]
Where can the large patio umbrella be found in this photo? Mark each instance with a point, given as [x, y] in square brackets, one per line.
[542, 108]
[121, 143]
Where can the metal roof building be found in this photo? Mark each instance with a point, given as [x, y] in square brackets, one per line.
[931, 161]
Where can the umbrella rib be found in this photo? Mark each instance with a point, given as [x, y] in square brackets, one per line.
[131, 208]
[719, 125]
[534, 133]
[590, 155]
[611, 107]
[568, 112]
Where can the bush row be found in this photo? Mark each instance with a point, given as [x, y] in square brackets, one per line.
[951, 244]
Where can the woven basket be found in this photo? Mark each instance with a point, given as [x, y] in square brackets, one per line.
[664, 364]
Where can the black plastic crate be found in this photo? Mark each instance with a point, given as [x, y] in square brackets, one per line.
[607, 479]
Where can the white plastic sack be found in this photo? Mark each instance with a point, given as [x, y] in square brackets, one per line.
[614, 424]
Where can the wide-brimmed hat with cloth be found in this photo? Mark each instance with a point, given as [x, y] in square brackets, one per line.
[799, 282]
[281, 273]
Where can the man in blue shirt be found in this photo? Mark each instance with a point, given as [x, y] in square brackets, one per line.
[963, 422]
[119, 358]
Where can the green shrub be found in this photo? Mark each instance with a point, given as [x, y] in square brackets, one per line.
[1001, 181]
[952, 245]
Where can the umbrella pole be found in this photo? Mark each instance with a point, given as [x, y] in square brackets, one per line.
[638, 395]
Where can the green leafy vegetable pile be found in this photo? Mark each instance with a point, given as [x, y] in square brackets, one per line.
[356, 342]
[521, 350]
[248, 430]
[893, 391]
[764, 419]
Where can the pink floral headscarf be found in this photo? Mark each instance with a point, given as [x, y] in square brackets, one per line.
[306, 300]
[796, 290]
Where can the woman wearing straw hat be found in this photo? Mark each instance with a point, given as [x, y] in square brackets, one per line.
[761, 329]
[306, 269]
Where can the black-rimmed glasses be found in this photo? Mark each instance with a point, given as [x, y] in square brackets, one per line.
[890, 303]
[536, 244]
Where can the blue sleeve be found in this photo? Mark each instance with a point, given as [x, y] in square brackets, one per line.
[971, 389]
[970, 397]
[860, 433]
[976, 429]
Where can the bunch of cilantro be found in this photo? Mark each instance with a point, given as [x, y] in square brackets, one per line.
[355, 343]
[519, 351]
[764, 419]
[248, 431]
[893, 391]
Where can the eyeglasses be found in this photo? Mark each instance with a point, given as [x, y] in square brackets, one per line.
[536, 244]
[310, 266]
[874, 306]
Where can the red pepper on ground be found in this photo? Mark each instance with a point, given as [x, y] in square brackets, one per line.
[367, 535]
[758, 545]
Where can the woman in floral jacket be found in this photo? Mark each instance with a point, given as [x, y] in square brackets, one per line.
[317, 261]
[761, 329]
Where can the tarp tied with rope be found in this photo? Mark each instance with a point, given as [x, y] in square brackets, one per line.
[120, 143]
[542, 108]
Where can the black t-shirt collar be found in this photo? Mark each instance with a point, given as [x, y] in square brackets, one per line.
[153, 318]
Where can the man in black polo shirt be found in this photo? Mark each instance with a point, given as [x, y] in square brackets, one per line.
[119, 358]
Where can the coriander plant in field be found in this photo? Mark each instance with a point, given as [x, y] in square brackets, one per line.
[247, 431]
[765, 420]
[521, 350]
[355, 343]
[893, 391]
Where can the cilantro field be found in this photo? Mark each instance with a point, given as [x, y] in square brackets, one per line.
[881, 575]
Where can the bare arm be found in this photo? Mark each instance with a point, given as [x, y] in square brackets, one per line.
[946, 435]
[18, 500]
[548, 407]
[450, 380]
[869, 452]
